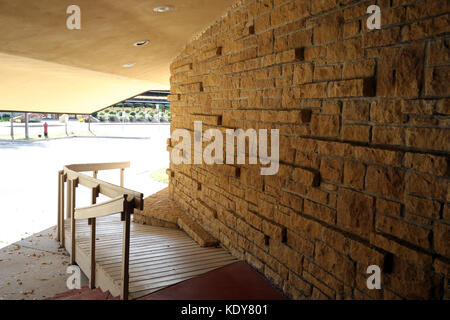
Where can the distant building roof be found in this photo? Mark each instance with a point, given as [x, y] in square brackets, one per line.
[153, 96]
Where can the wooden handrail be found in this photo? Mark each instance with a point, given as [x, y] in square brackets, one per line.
[116, 205]
[122, 201]
[98, 166]
[108, 189]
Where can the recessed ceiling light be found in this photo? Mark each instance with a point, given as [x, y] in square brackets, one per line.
[141, 43]
[129, 65]
[161, 9]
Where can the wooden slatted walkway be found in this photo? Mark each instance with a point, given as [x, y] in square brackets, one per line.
[159, 257]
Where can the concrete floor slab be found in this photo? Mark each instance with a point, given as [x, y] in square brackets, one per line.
[34, 268]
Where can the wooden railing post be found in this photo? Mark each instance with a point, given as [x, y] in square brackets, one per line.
[58, 229]
[92, 222]
[125, 250]
[73, 187]
[122, 177]
[68, 210]
[62, 235]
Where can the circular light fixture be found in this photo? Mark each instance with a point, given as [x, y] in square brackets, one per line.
[129, 65]
[141, 43]
[162, 9]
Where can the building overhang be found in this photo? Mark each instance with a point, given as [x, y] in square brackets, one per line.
[46, 67]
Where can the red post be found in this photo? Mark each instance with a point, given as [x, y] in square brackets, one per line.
[46, 129]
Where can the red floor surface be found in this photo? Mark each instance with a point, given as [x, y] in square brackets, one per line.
[237, 281]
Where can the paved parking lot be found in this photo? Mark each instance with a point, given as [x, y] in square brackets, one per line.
[76, 128]
[28, 180]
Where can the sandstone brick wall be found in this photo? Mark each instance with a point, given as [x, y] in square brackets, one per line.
[364, 143]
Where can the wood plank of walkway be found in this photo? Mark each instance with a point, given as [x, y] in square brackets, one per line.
[159, 257]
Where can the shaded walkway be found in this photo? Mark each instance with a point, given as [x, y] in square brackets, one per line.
[159, 257]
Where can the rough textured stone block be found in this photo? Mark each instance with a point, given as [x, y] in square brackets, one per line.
[400, 71]
[354, 212]
[194, 230]
[308, 177]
